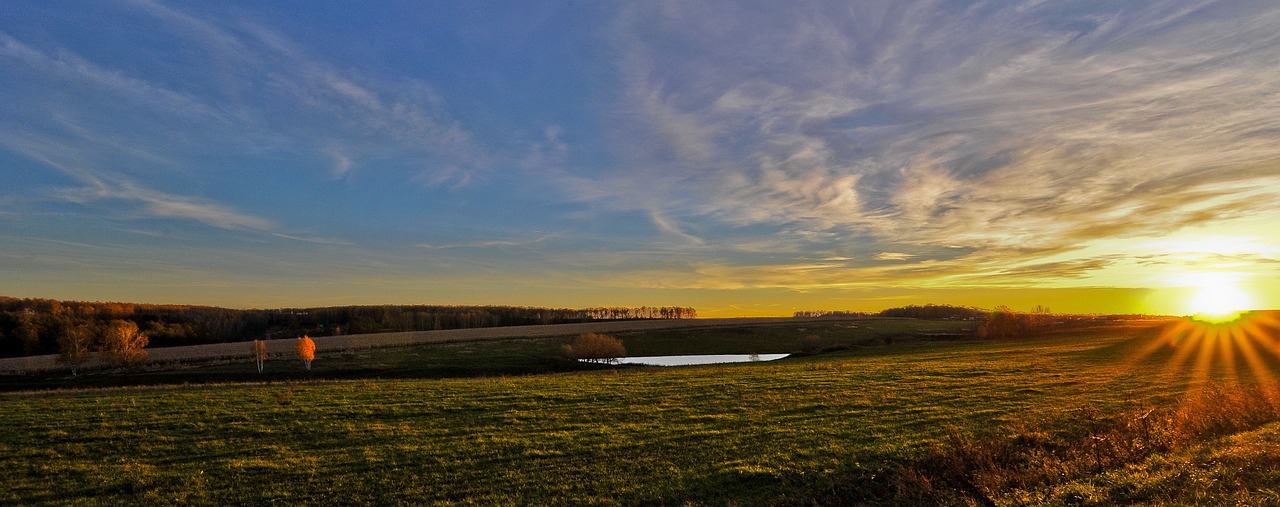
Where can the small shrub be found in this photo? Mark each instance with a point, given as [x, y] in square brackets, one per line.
[595, 348]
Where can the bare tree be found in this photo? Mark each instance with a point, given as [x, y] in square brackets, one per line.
[260, 353]
[73, 346]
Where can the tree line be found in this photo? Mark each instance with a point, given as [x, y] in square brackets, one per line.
[1001, 323]
[40, 326]
[928, 311]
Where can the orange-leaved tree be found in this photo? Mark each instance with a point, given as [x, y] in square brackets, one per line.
[306, 350]
[595, 348]
[260, 353]
[122, 344]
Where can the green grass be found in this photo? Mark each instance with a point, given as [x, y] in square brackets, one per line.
[750, 434]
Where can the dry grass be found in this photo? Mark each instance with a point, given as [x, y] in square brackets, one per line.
[968, 469]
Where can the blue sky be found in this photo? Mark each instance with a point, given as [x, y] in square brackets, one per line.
[741, 157]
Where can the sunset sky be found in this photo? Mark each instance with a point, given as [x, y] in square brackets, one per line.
[743, 158]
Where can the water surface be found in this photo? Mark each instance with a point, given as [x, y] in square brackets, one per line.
[699, 359]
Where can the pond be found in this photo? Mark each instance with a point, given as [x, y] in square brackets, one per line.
[699, 359]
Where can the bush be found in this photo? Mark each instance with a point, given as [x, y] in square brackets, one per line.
[595, 348]
[1003, 323]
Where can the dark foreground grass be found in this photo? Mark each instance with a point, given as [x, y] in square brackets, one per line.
[833, 428]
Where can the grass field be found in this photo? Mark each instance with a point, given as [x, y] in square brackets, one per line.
[820, 427]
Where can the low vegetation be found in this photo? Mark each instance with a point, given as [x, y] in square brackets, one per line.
[1092, 416]
[594, 348]
[1035, 465]
[929, 311]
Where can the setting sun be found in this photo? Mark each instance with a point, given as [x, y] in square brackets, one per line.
[1220, 300]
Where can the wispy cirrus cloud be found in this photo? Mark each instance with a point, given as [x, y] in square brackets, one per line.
[714, 145]
[487, 244]
[121, 198]
[670, 228]
[64, 65]
[163, 139]
[257, 92]
[893, 256]
[1007, 128]
[151, 204]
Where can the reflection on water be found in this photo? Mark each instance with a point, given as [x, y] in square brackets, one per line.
[699, 359]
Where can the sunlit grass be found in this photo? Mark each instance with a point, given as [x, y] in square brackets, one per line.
[1244, 347]
[748, 433]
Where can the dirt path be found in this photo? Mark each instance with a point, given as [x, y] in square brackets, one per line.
[32, 364]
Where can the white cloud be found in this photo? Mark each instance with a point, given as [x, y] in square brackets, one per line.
[489, 244]
[257, 92]
[341, 163]
[154, 204]
[670, 228]
[1014, 128]
[63, 65]
[893, 256]
[549, 154]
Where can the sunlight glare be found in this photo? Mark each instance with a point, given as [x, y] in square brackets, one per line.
[1220, 301]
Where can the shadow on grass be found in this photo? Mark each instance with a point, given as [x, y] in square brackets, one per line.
[245, 372]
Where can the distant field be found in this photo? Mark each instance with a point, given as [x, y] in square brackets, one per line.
[488, 351]
[342, 343]
[751, 434]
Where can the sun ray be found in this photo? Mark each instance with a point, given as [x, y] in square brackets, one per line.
[1233, 353]
[1245, 340]
[1225, 340]
[1204, 360]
